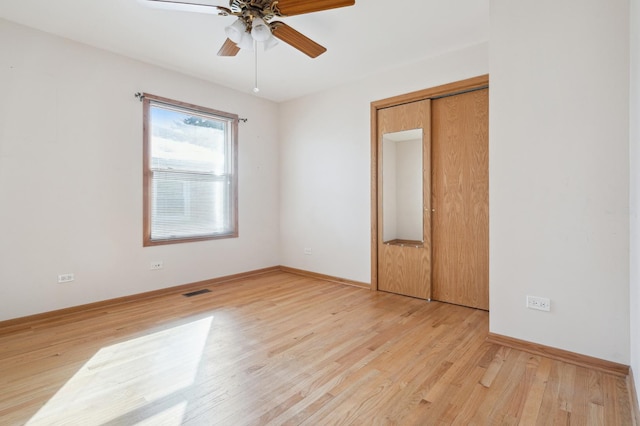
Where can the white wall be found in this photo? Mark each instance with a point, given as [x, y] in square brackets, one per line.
[635, 190]
[559, 173]
[71, 177]
[325, 163]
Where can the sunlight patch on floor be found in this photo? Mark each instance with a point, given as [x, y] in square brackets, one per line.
[170, 416]
[124, 378]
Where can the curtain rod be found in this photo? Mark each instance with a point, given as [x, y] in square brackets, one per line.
[140, 97]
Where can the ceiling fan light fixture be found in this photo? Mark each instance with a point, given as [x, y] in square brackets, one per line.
[260, 31]
[270, 43]
[254, 21]
[236, 31]
[246, 42]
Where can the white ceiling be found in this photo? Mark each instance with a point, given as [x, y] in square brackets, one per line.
[364, 39]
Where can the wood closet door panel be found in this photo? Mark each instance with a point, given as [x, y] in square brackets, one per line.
[406, 269]
[460, 199]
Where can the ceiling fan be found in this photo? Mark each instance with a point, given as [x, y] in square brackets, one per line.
[255, 23]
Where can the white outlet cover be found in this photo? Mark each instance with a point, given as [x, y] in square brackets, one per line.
[65, 278]
[538, 303]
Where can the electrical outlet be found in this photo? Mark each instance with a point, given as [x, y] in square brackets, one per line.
[539, 303]
[307, 251]
[65, 278]
[156, 265]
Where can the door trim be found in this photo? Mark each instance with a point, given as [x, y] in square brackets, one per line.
[474, 83]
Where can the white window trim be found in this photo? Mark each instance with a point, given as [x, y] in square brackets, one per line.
[148, 100]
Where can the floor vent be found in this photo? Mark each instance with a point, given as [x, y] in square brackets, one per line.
[197, 292]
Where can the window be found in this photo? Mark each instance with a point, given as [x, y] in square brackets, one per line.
[190, 176]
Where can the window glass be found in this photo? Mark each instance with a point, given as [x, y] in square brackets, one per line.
[190, 176]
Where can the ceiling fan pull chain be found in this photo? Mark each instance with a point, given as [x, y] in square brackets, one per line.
[255, 50]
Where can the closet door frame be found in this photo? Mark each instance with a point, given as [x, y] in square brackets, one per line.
[450, 89]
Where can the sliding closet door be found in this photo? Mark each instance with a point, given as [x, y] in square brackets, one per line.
[404, 214]
[460, 199]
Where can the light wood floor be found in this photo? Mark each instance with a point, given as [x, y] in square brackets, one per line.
[284, 349]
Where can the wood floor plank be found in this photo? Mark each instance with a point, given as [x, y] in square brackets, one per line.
[533, 401]
[284, 349]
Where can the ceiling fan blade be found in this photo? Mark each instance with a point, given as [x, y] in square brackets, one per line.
[298, 7]
[186, 6]
[228, 48]
[296, 39]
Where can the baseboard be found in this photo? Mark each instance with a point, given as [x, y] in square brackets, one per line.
[15, 324]
[21, 323]
[561, 355]
[323, 277]
[633, 396]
